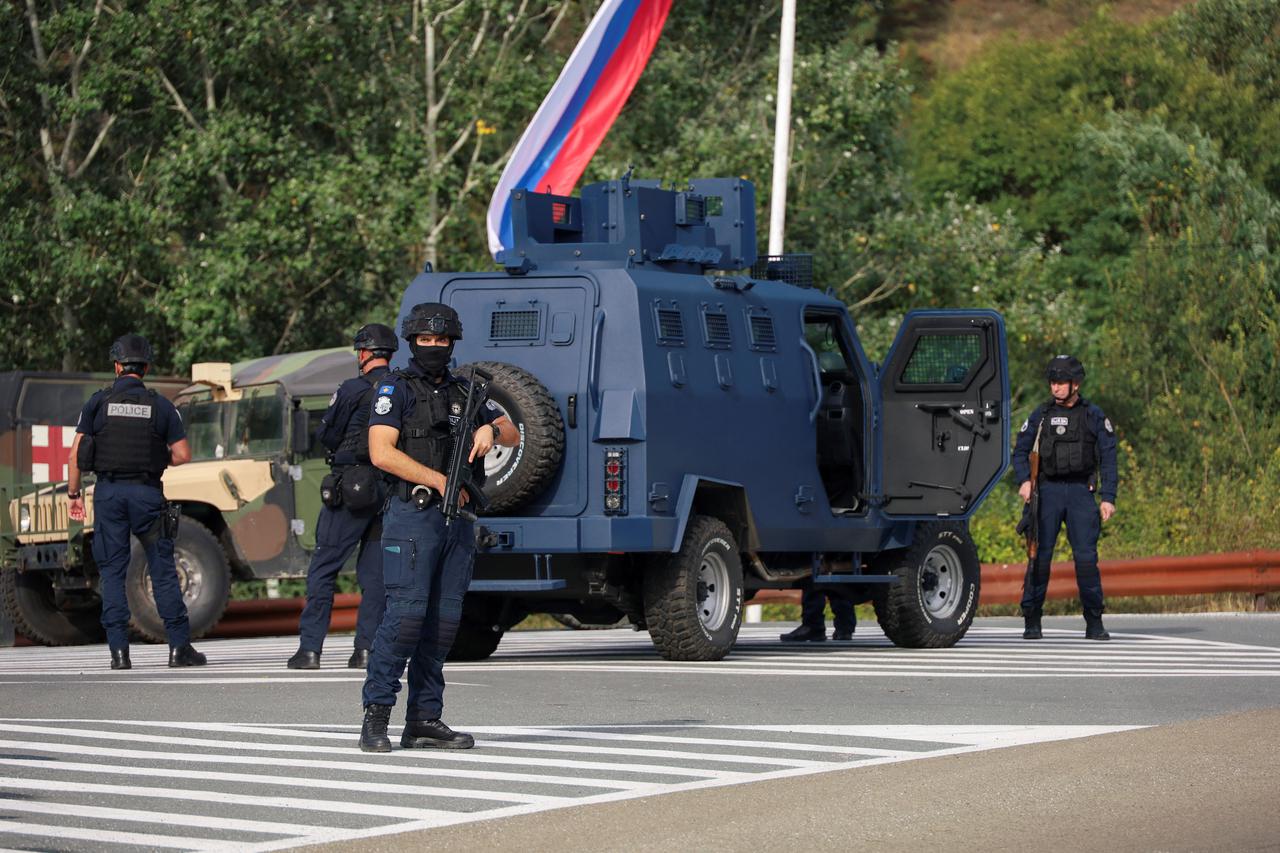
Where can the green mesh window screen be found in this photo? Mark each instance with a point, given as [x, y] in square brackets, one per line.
[942, 359]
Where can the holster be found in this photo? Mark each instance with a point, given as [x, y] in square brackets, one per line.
[165, 526]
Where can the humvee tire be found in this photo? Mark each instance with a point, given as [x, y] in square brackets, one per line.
[517, 475]
[202, 572]
[693, 598]
[933, 604]
[28, 599]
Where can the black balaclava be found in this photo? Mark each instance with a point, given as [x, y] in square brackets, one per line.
[432, 361]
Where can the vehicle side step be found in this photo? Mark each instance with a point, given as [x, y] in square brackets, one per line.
[517, 586]
[828, 579]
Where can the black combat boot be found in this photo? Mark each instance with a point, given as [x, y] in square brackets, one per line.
[359, 659]
[304, 659]
[1031, 626]
[1093, 629]
[186, 655]
[805, 634]
[120, 659]
[373, 734]
[433, 734]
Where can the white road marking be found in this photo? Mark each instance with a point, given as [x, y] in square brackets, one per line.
[104, 836]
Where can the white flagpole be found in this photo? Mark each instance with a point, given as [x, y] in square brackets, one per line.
[782, 128]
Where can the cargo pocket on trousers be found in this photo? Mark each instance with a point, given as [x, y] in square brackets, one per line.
[397, 563]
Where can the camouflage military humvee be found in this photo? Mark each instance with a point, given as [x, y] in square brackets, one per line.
[250, 495]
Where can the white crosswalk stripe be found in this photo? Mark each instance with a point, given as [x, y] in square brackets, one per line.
[985, 653]
[143, 789]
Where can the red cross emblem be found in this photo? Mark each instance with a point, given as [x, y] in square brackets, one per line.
[50, 452]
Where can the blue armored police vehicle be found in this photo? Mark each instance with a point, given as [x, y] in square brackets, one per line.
[697, 426]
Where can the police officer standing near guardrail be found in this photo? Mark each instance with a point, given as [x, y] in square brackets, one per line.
[1077, 450]
[128, 434]
[426, 562]
[353, 495]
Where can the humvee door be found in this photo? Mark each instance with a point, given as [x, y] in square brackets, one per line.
[945, 392]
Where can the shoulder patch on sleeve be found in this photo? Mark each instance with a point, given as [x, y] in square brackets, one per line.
[383, 405]
[1025, 424]
[1106, 422]
[386, 389]
[491, 406]
[334, 398]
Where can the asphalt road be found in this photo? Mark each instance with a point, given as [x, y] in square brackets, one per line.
[1163, 739]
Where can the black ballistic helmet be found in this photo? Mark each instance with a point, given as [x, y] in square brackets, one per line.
[131, 349]
[433, 318]
[376, 338]
[1064, 368]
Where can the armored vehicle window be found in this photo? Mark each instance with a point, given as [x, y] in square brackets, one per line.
[205, 422]
[715, 326]
[823, 334]
[943, 359]
[670, 326]
[259, 424]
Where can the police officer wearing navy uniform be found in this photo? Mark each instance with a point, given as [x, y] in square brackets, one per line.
[129, 434]
[1077, 460]
[350, 516]
[813, 623]
[426, 564]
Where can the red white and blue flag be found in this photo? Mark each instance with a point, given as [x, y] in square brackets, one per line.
[580, 108]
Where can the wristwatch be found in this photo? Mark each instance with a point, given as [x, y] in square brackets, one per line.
[73, 496]
[497, 432]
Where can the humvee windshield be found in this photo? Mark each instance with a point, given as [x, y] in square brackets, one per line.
[254, 425]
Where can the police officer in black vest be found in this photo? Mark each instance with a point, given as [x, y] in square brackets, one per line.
[426, 564]
[353, 495]
[1077, 445]
[128, 434]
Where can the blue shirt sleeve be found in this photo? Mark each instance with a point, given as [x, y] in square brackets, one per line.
[1108, 466]
[88, 414]
[169, 422]
[333, 426]
[392, 403]
[1022, 448]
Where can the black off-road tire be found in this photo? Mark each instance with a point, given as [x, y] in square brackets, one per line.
[517, 475]
[693, 598]
[28, 600]
[933, 604]
[202, 572]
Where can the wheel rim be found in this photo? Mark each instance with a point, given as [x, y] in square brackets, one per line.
[498, 458]
[190, 578]
[713, 590]
[941, 578]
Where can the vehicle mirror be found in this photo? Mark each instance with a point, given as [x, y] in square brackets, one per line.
[301, 431]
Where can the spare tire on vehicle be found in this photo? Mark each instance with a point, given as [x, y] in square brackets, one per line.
[517, 475]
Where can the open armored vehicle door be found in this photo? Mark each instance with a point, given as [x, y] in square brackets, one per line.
[945, 390]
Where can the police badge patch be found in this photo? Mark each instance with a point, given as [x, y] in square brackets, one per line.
[455, 408]
[383, 405]
[1106, 422]
[1024, 426]
[334, 398]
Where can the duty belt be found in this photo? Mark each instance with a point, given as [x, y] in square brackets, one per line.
[143, 479]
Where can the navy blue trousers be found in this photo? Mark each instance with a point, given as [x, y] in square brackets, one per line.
[813, 603]
[1074, 504]
[120, 509]
[427, 569]
[338, 532]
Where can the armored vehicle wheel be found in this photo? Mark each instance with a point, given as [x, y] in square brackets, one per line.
[31, 602]
[517, 475]
[933, 605]
[693, 598]
[484, 621]
[202, 572]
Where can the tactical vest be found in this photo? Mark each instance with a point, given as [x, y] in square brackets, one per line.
[1068, 448]
[129, 442]
[425, 434]
[355, 440]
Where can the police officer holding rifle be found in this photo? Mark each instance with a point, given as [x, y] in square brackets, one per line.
[1075, 444]
[418, 423]
[129, 434]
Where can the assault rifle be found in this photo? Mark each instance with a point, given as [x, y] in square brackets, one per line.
[458, 476]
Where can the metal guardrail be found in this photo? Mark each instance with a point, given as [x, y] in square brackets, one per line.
[1254, 572]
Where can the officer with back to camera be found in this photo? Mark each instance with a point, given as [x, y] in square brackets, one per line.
[128, 434]
[351, 514]
[426, 564]
[1077, 444]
